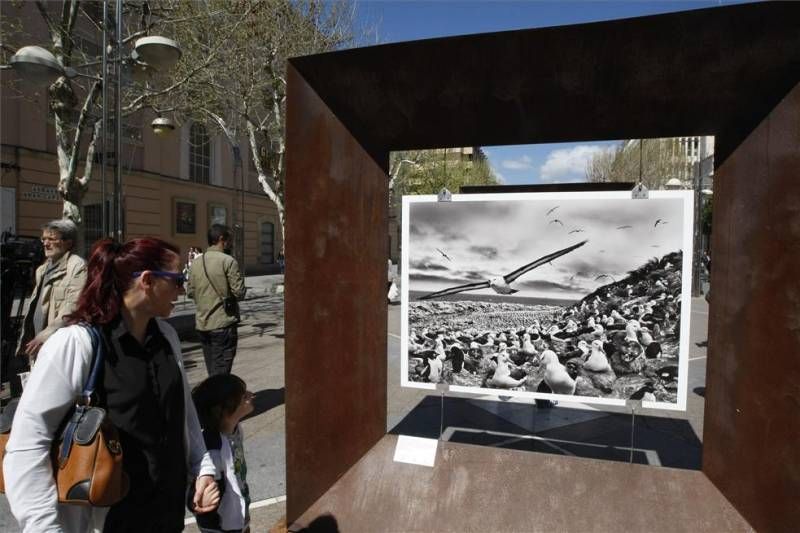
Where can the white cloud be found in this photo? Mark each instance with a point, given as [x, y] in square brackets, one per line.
[523, 163]
[569, 164]
[500, 178]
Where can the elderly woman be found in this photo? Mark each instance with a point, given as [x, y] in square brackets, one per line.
[143, 389]
[59, 280]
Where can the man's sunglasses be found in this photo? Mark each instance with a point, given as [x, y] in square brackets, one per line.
[177, 277]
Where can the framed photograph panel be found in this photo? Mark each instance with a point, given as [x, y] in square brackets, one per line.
[185, 216]
[579, 296]
[217, 214]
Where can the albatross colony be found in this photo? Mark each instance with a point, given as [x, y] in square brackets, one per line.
[597, 318]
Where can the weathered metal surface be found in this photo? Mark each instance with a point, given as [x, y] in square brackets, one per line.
[752, 421]
[474, 488]
[718, 72]
[335, 298]
[692, 73]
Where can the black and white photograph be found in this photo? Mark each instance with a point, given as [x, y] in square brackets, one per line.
[580, 296]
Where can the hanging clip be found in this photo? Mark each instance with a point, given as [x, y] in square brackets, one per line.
[443, 387]
[640, 192]
[445, 195]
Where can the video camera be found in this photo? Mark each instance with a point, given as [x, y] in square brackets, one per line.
[19, 257]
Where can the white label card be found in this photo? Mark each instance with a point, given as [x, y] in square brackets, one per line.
[415, 450]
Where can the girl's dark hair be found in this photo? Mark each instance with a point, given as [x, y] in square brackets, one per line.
[219, 395]
[110, 274]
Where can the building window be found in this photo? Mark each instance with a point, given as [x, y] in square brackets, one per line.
[93, 222]
[267, 243]
[185, 217]
[199, 154]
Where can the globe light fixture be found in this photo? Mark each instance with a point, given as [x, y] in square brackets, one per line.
[674, 183]
[159, 52]
[36, 65]
[162, 126]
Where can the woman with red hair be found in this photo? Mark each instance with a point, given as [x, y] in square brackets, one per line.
[131, 287]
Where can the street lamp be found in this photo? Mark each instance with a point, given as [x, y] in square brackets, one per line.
[39, 66]
[158, 52]
[162, 126]
[36, 65]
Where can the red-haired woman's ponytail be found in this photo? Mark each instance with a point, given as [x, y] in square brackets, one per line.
[110, 274]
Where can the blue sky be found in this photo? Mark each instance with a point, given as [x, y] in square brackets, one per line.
[398, 21]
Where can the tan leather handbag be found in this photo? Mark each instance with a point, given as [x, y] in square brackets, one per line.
[87, 458]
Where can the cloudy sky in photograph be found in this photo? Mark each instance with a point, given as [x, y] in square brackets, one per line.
[467, 241]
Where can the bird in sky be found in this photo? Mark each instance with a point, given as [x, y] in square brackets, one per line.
[601, 276]
[556, 220]
[659, 221]
[550, 211]
[445, 255]
[501, 284]
[575, 231]
[624, 227]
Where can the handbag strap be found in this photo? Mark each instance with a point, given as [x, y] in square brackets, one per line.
[98, 349]
[98, 354]
[203, 259]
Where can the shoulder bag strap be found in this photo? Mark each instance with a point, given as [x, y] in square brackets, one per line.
[98, 349]
[98, 354]
[203, 259]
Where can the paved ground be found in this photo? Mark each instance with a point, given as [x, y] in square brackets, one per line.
[660, 438]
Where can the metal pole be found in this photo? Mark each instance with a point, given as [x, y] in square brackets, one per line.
[241, 175]
[118, 133]
[104, 125]
[697, 234]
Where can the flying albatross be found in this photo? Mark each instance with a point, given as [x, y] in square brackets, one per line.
[501, 284]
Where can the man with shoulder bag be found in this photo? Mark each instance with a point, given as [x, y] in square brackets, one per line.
[217, 285]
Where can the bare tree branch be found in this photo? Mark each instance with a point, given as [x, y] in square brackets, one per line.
[69, 26]
[90, 151]
[76, 145]
[51, 27]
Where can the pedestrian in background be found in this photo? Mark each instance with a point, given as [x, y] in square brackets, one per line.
[217, 285]
[222, 401]
[143, 388]
[59, 280]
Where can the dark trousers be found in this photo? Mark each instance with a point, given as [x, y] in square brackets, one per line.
[219, 349]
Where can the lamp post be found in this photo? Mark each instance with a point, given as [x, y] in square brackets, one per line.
[39, 66]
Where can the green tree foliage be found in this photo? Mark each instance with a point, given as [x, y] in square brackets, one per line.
[659, 161]
[706, 217]
[428, 171]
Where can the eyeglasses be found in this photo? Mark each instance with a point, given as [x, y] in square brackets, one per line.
[177, 277]
[45, 240]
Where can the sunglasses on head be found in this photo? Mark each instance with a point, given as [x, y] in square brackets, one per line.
[177, 277]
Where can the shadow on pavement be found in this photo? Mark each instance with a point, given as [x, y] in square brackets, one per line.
[325, 523]
[266, 399]
[657, 441]
[261, 327]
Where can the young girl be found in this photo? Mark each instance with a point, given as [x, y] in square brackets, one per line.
[222, 401]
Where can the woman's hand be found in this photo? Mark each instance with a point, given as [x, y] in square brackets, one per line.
[206, 495]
